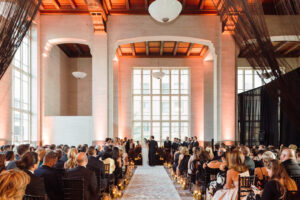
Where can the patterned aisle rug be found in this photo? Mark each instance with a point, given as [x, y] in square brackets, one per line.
[151, 183]
[184, 194]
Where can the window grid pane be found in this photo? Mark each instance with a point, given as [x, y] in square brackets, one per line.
[21, 95]
[161, 107]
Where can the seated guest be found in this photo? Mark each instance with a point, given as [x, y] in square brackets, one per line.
[248, 161]
[298, 156]
[90, 182]
[41, 154]
[65, 150]
[183, 161]
[236, 168]
[97, 166]
[52, 178]
[29, 163]
[107, 159]
[60, 163]
[118, 163]
[13, 184]
[22, 149]
[210, 152]
[288, 160]
[176, 159]
[258, 158]
[71, 162]
[280, 182]
[9, 156]
[261, 172]
[2, 162]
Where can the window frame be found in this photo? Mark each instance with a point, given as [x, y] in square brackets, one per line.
[169, 95]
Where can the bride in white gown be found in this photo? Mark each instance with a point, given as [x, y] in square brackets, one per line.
[145, 154]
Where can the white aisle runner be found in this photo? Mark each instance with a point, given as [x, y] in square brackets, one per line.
[151, 183]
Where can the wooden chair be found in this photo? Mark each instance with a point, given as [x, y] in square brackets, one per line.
[110, 177]
[294, 195]
[73, 188]
[32, 197]
[244, 185]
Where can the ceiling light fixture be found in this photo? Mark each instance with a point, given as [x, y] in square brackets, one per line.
[79, 75]
[165, 10]
[158, 75]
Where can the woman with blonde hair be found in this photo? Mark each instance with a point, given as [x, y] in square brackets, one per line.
[13, 184]
[41, 154]
[71, 162]
[183, 161]
[261, 172]
[236, 167]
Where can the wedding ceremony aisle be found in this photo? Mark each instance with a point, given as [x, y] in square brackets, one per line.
[151, 183]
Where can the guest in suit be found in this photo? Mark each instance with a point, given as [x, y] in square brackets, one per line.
[288, 160]
[127, 146]
[29, 163]
[152, 151]
[22, 149]
[90, 186]
[52, 177]
[65, 149]
[97, 166]
[60, 163]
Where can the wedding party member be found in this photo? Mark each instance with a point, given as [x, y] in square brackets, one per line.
[29, 163]
[13, 184]
[152, 151]
[168, 146]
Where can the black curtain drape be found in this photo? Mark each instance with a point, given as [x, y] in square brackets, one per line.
[262, 118]
[15, 19]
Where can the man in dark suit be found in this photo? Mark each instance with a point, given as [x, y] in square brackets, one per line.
[90, 182]
[185, 142]
[36, 187]
[52, 177]
[288, 160]
[65, 153]
[127, 145]
[59, 164]
[174, 145]
[195, 142]
[152, 151]
[96, 166]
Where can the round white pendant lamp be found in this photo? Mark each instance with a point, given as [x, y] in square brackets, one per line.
[158, 75]
[79, 75]
[165, 10]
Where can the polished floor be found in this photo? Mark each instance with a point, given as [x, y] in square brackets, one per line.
[151, 183]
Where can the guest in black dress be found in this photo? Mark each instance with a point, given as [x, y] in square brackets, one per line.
[29, 163]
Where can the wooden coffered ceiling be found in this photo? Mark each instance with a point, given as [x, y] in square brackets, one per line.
[162, 49]
[283, 49]
[75, 50]
[100, 9]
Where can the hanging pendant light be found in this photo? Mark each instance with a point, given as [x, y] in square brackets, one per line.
[165, 10]
[79, 75]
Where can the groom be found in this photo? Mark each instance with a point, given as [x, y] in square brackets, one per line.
[152, 150]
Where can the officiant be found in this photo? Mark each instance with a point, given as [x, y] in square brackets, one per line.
[152, 150]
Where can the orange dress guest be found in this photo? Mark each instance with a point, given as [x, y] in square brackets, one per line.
[237, 167]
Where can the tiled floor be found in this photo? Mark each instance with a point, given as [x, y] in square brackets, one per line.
[151, 183]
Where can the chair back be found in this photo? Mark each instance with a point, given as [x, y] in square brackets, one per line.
[73, 188]
[107, 169]
[32, 197]
[210, 175]
[244, 184]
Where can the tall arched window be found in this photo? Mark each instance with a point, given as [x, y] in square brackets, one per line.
[161, 106]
